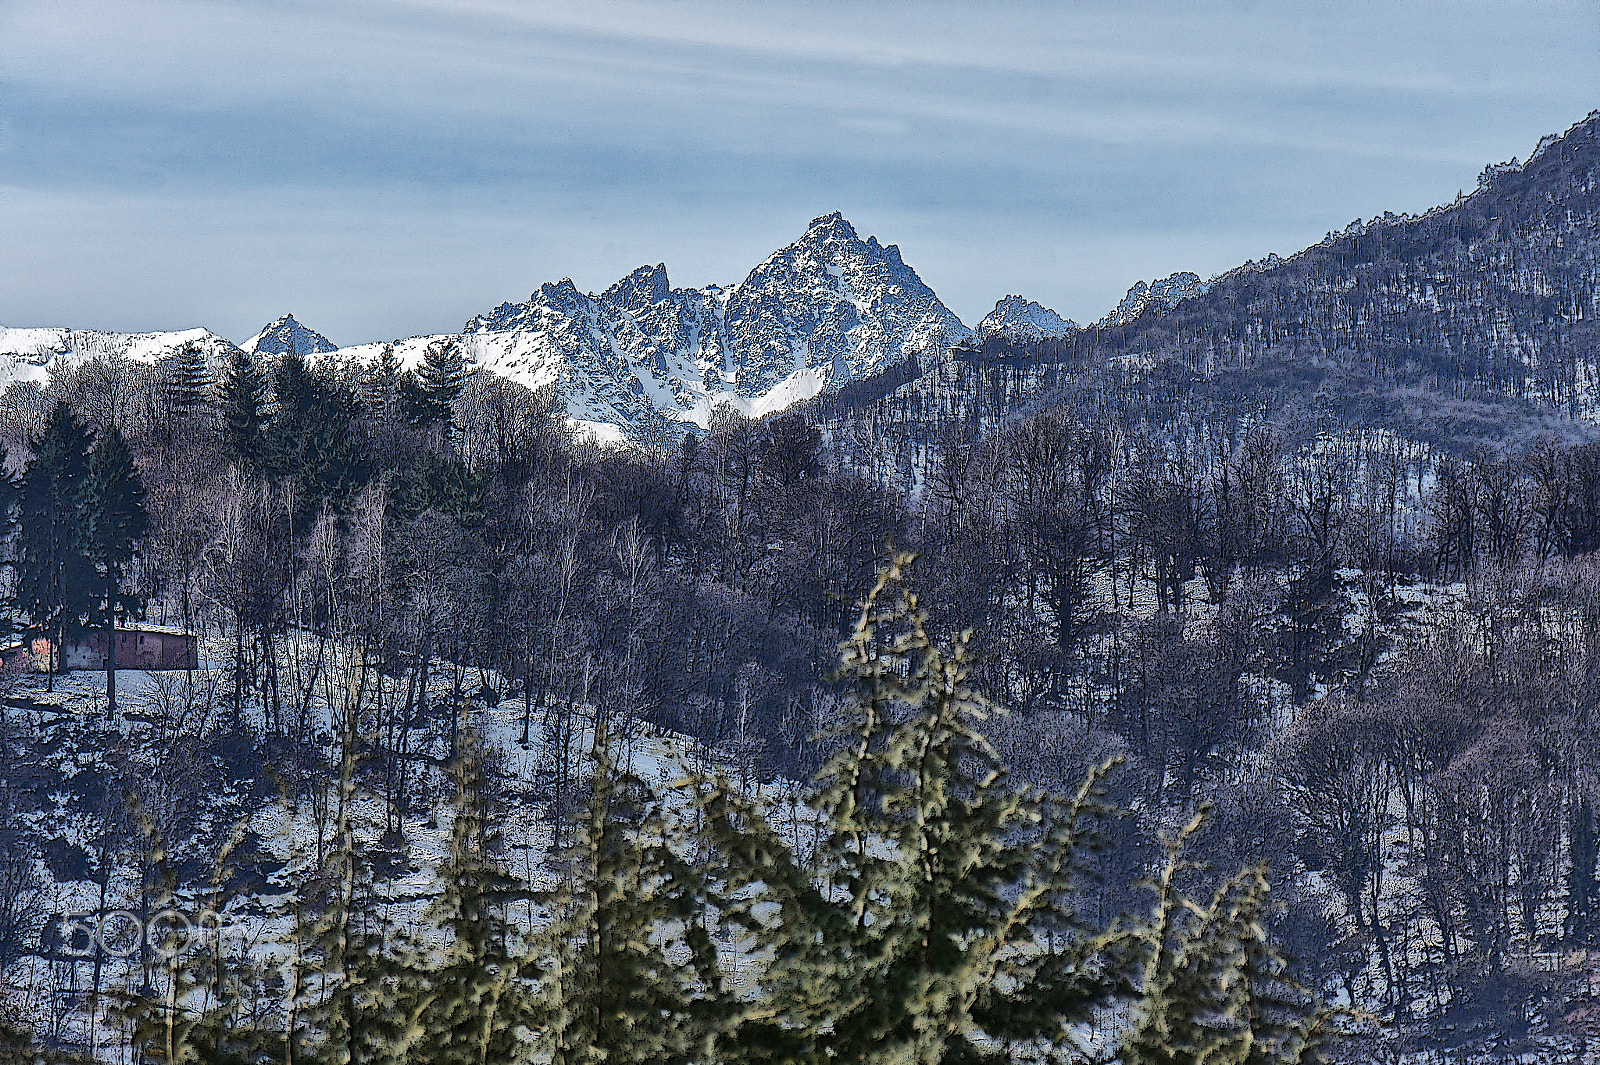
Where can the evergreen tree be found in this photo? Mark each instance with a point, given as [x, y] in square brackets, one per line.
[350, 998]
[445, 484]
[474, 1000]
[185, 380]
[310, 438]
[196, 1002]
[113, 519]
[10, 496]
[612, 991]
[439, 381]
[1313, 645]
[1213, 990]
[380, 389]
[56, 579]
[939, 924]
[243, 397]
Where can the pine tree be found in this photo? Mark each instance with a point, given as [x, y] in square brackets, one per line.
[1314, 642]
[439, 381]
[939, 926]
[56, 579]
[350, 995]
[10, 497]
[200, 1007]
[1213, 990]
[309, 438]
[243, 396]
[474, 999]
[611, 990]
[111, 501]
[185, 380]
[444, 484]
[380, 389]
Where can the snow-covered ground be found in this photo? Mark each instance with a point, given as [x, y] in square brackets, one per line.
[158, 731]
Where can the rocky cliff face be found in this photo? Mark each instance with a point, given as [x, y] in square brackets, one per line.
[287, 336]
[829, 308]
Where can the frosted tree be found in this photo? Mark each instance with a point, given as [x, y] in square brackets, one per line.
[469, 1005]
[631, 972]
[936, 922]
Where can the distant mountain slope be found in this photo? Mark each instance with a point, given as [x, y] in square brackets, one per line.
[641, 357]
[1161, 295]
[28, 354]
[1478, 320]
[1024, 321]
[827, 308]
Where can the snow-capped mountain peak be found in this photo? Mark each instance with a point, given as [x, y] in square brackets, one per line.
[643, 288]
[642, 356]
[833, 226]
[285, 336]
[642, 359]
[1162, 295]
[1024, 320]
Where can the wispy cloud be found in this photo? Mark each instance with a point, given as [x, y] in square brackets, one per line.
[388, 167]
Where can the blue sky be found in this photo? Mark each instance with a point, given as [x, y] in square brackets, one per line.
[385, 168]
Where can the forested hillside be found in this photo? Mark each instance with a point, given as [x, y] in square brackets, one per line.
[1474, 321]
[1299, 573]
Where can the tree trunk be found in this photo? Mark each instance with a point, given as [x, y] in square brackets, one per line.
[111, 641]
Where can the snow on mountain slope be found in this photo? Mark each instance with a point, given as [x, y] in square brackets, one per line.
[642, 358]
[1024, 320]
[31, 354]
[828, 308]
[1163, 295]
[287, 335]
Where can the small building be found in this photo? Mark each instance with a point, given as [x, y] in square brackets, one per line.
[152, 647]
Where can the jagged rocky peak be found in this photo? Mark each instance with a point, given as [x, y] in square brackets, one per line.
[285, 336]
[563, 293]
[645, 287]
[820, 311]
[553, 297]
[1161, 295]
[832, 226]
[836, 305]
[1017, 318]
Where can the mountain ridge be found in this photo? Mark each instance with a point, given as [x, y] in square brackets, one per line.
[1479, 296]
[1475, 322]
[642, 358]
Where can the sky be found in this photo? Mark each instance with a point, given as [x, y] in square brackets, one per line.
[385, 168]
